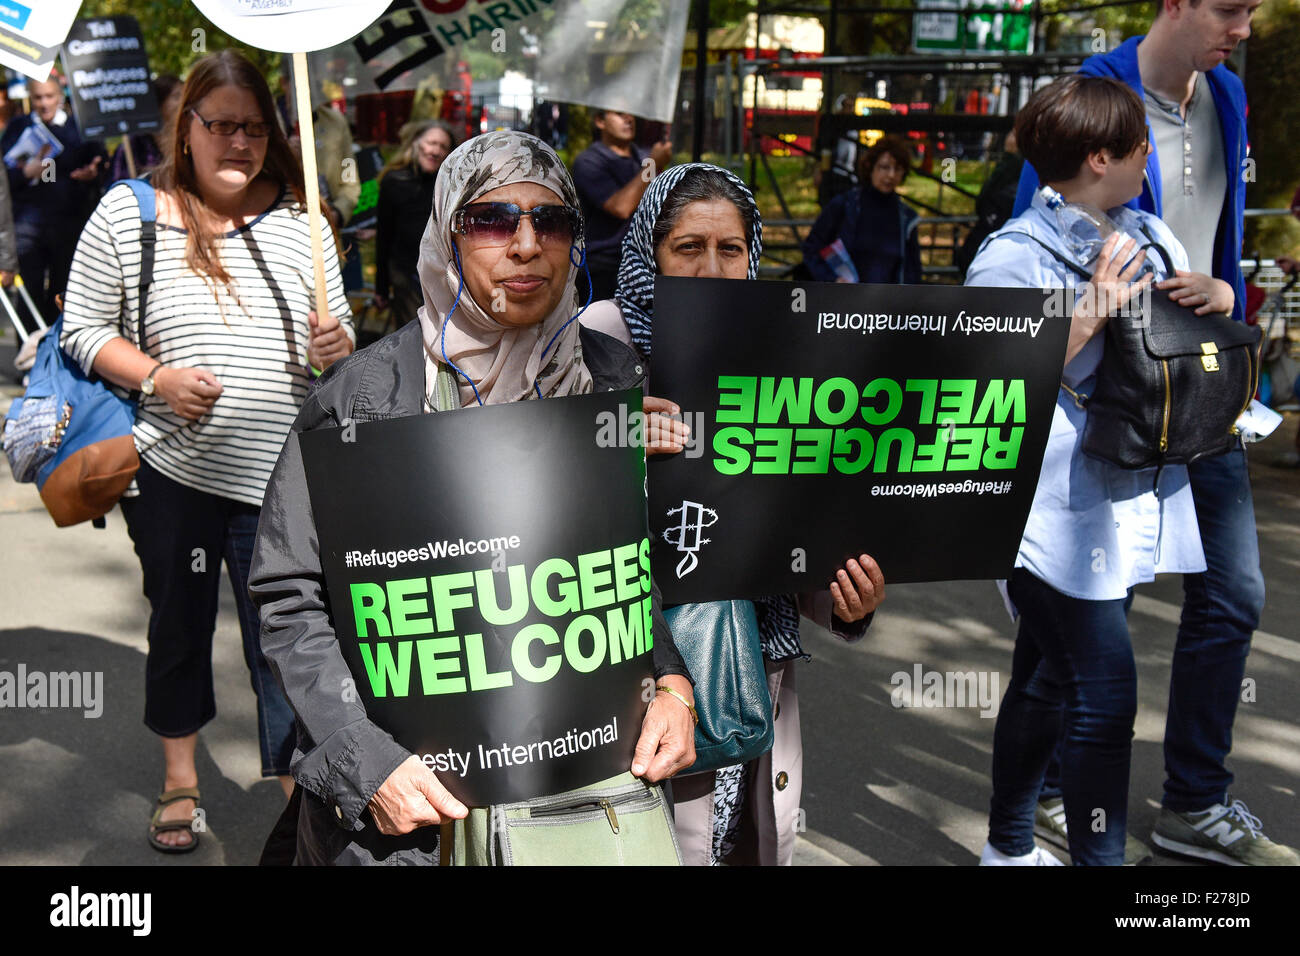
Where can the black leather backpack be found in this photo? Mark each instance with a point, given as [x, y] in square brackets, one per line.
[1171, 384]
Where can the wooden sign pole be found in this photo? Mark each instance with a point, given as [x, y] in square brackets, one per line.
[130, 156]
[307, 137]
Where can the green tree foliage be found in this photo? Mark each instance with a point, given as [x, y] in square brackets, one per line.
[1126, 21]
[176, 34]
[1271, 55]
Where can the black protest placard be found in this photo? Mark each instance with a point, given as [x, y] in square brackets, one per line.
[832, 420]
[109, 75]
[489, 583]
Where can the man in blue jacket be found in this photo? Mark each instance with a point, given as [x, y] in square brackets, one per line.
[1195, 175]
[52, 194]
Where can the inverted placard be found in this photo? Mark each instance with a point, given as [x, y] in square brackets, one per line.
[489, 578]
[906, 422]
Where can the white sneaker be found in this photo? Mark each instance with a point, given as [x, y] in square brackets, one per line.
[990, 856]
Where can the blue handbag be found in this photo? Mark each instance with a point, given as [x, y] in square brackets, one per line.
[71, 434]
[719, 641]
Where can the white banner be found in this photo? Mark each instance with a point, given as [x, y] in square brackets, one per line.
[291, 26]
[31, 32]
[610, 54]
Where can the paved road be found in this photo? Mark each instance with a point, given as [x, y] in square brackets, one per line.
[885, 785]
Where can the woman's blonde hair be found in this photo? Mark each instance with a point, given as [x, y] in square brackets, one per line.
[408, 136]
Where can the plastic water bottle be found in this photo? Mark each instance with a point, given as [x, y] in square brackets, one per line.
[1085, 228]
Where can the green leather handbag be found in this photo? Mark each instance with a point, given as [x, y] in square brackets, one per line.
[719, 641]
[622, 821]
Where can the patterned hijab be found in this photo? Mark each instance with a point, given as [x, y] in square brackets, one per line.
[498, 363]
[778, 616]
[636, 272]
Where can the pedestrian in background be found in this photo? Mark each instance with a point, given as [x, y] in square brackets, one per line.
[1073, 656]
[612, 175]
[52, 191]
[405, 200]
[877, 229]
[8, 240]
[1195, 110]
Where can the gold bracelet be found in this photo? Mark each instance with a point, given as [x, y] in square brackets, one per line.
[689, 706]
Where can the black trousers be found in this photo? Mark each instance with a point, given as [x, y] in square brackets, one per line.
[44, 260]
[182, 537]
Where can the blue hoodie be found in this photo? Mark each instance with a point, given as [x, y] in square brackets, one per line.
[1230, 100]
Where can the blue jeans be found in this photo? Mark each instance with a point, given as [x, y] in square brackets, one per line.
[182, 536]
[1072, 657]
[1221, 609]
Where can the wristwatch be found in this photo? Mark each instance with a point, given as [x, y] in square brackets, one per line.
[147, 386]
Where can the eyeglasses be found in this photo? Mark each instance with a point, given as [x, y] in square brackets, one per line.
[253, 130]
[495, 223]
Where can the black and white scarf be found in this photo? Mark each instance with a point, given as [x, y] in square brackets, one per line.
[636, 270]
[778, 617]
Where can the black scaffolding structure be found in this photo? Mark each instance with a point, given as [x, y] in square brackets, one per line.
[747, 130]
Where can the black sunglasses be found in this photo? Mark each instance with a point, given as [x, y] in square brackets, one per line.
[253, 130]
[495, 223]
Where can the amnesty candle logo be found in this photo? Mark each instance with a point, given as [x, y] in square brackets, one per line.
[695, 518]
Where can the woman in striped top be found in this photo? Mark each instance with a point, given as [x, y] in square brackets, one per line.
[229, 341]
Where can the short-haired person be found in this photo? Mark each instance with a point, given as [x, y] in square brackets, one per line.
[611, 176]
[1073, 652]
[877, 228]
[1195, 110]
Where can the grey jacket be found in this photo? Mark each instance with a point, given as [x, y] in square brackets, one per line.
[8, 240]
[342, 758]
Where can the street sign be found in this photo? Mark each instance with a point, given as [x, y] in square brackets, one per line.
[1002, 26]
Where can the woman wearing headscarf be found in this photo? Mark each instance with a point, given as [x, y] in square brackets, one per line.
[497, 269]
[700, 220]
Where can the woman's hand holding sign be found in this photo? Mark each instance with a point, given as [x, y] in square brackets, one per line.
[329, 341]
[666, 433]
[667, 742]
[858, 589]
[413, 797]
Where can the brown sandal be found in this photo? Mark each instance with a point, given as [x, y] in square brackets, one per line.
[157, 825]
